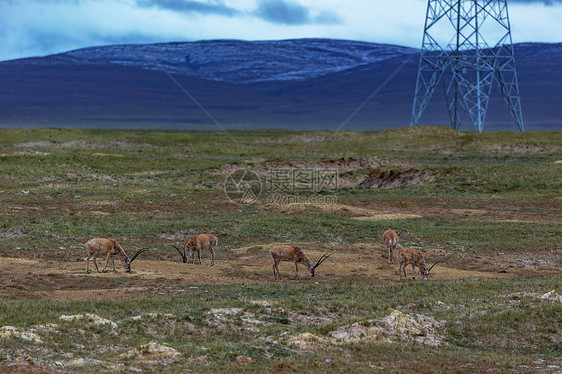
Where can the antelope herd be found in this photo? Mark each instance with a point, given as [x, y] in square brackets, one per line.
[196, 243]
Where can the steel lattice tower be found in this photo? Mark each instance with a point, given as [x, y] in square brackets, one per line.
[479, 53]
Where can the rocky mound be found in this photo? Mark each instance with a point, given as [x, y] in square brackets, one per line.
[379, 178]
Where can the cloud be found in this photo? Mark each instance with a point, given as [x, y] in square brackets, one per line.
[545, 2]
[216, 7]
[40, 27]
[273, 11]
[291, 13]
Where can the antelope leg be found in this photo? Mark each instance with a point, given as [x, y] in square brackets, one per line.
[88, 263]
[106, 262]
[96, 262]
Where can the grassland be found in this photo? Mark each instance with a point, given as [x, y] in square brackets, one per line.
[489, 209]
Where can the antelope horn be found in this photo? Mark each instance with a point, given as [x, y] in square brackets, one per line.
[138, 253]
[401, 231]
[322, 259]
[181, 254]
[432, 266]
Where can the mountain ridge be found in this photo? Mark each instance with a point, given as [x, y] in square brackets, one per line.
[235, 61]
[274, 87]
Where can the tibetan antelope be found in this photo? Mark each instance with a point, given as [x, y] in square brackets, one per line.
[295, 254]
[109, 248]
[197, 243]
[414, 257]
[390, 239]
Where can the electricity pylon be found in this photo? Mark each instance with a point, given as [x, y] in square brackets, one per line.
[478, 53]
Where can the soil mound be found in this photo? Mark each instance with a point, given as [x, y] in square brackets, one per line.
[350, 171]
[340, 164]
[379, 178]
[397, 325]
[416, 327]
[152, 351]
[263, 167]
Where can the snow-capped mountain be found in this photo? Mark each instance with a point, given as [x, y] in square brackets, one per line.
[237, 61]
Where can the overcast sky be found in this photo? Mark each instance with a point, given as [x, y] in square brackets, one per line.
[41, 27]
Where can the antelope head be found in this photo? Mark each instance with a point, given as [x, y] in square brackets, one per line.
[128, 262]
[425, 271]
[182, 254]
[321, 260]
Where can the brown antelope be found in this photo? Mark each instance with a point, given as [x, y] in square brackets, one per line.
[390, 239]
[292, 253]
[109, 248]
[197, 243]
[414, 257]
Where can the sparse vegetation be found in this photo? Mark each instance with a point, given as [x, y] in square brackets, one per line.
[491, 214]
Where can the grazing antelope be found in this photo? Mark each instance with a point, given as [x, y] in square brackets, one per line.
[390, 239]
[414, 257]
[197, 243]
[109, 248]
[295, 254]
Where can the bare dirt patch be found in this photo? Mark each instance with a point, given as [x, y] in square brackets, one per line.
[339, 164]
[469, 212]
[99, 213]
[267, 169]
[26, 364]
[22, 154]
[102, 203]
[13, 233]
[37, 279]
[95, 294]
[387, 216]
[308, 138]
[379, 178]
[359, 213]
[84, 144]
[101, 154]
[328, 208]
[520, 148]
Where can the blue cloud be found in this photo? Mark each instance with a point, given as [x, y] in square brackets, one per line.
[545, 2]
[278, 11]
[291, 13]
[187, 6]
[274, 11]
